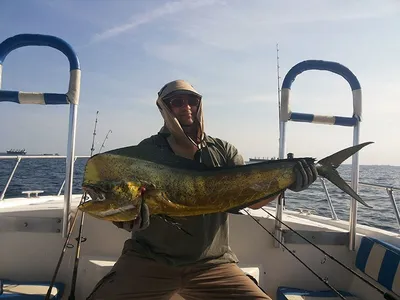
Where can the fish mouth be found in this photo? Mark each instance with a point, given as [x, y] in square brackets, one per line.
[100, 205]
[96, 193]
[116, 211]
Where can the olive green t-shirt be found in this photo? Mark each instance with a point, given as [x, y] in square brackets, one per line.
[209, 242]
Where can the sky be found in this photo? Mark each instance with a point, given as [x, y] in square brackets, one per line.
[227, 49]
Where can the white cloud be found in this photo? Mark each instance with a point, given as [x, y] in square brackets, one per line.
[168, 8]
[244, 26]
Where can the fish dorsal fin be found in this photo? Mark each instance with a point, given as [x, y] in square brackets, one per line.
[158, 155]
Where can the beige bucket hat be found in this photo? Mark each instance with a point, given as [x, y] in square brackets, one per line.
[170, 122]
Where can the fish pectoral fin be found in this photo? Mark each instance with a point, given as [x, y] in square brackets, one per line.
[158, 201]
[158, 198]
[153, 193]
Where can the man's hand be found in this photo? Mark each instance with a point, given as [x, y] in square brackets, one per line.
[306, 174]
[140, 223]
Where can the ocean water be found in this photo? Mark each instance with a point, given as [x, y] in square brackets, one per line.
[48, 175]
[38, 174]
[381, 215]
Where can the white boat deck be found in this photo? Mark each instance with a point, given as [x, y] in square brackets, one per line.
[24, 204]
[32, 251]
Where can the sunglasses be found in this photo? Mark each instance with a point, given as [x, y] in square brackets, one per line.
[177, 101]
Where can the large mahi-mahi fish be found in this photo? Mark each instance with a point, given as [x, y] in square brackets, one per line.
[118, 181]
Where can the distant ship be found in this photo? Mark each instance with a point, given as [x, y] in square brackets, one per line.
[16, 152]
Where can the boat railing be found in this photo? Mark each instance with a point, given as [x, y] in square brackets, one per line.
[389, 190]
[70, 98]
[20, 157]
[286, 115]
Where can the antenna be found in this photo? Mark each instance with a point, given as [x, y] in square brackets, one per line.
[279, 89]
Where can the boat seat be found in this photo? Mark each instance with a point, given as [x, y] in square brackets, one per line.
[24, 290]
[380, 261]
[376, 259]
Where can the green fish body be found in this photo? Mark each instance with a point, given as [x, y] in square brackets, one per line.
[120, 180]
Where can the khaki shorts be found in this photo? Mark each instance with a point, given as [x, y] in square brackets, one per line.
[135, 277]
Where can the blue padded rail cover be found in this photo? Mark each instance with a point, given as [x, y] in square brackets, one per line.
[309, 118]
[11, 290]
[46, 98]
[288, 293]
[23, 40]
[380, 261]
[331, 66]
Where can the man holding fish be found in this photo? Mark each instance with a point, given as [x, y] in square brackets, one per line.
[161, 260]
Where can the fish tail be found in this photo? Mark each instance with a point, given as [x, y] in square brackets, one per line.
[327, 168]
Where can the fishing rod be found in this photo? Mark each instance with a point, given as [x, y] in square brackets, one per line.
[102, 145]
[94, 134]
[79, 239]
[385, 295]
[66, 243]
[295, 256]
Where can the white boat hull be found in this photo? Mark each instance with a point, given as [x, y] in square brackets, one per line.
[31, 252]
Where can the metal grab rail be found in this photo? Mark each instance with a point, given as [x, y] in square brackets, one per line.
[71, 98]
[19, 158]
[394, 204]
[328, 198]
[286, 115]
[378, 185]
[389, 190]
[10, 178]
